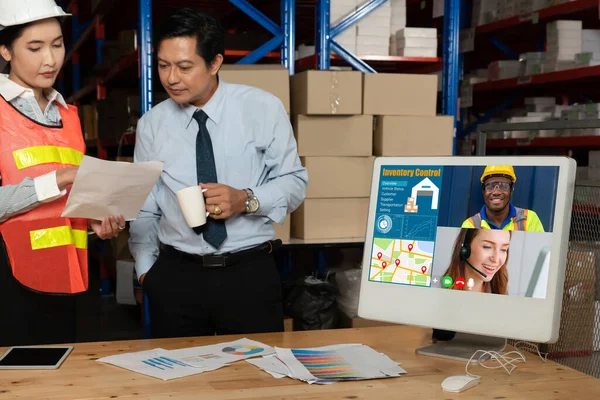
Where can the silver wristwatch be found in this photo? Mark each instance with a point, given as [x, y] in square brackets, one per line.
[252, 203]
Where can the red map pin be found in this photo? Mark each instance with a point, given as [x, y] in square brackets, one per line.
[379, 255]
[424, 269]
[397, 262]
[384, 264]
[410, 247]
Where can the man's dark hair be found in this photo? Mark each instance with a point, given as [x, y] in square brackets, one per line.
[191, 22]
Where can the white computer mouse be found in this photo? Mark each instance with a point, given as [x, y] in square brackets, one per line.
[459, 383]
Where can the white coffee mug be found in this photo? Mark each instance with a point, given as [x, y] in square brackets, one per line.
[191, 202]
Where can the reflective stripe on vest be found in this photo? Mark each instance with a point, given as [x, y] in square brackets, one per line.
[59, 236]
[519, 220]
[32, 156]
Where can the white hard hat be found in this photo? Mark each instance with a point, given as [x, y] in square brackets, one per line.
[17, 12]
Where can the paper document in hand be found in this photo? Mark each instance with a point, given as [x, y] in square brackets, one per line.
[104, 188]
[157, 363]
[217, 355]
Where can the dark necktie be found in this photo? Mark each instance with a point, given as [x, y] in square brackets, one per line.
[214, 231]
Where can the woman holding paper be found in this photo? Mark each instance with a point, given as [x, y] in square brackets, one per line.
[44, 256]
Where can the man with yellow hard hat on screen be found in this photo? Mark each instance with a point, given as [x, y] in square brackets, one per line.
[497, 184]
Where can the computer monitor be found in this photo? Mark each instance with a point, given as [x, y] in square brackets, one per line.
[474, 245]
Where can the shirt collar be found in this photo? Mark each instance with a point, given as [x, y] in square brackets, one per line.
[11, 90]
[214, 107]
[512, 213]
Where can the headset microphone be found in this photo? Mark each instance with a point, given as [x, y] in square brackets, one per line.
[465, 252]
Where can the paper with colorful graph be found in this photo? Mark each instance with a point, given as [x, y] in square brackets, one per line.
[172, 364]
[329, 364]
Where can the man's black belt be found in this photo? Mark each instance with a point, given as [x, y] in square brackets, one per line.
[225, 259]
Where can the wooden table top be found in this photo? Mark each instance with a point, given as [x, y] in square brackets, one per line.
[80, 377]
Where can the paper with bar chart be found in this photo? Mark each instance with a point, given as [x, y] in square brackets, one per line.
[172, 364]
[156, 363]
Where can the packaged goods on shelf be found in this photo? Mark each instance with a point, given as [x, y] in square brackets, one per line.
[564, 40]
[417, 42]
[484, 12]
[540, 104]
[532, 63]
[398, 14]
[504, 69]
[338, 10]
[373, 31]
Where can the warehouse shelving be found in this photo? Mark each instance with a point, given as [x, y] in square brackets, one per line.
[524, 33]
[570, 9]
[571, 76]
[283, 37]
[561, 142]
[325, 43]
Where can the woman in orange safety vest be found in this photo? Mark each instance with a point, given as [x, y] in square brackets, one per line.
[43, 257]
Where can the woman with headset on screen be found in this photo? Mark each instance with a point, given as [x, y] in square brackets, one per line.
[480, 257]
[43, 260]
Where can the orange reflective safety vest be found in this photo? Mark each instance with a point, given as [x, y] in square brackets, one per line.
[47, 253]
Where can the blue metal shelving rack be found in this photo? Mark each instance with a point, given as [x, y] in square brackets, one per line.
[325, 43]
[283, 37]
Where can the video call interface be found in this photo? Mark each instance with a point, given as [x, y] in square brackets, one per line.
[485, 229]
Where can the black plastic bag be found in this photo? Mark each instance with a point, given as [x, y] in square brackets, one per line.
[312, 304]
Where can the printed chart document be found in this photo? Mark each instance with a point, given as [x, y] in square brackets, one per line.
[171, 364]
[156, 363]
[104, 188]
[330, 364]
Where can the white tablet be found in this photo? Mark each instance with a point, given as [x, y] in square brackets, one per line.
[35, 357]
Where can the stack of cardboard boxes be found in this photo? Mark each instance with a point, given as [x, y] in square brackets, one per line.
[333, 113]
[405, 108]
[334, 143]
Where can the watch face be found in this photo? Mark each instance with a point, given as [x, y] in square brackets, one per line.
[253, 204]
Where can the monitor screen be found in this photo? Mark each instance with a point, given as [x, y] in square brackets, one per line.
[434, 227]
[483, 235]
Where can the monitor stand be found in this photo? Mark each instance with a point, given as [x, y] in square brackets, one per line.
[463, 346]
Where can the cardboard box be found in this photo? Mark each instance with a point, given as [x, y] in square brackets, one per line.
[400, 94]
[274, 79]
[327, 93]
[334, 135]
[89, 122]
[334, 177]
[283, 231]
[128, 42]
[330, 218]
[413, 136]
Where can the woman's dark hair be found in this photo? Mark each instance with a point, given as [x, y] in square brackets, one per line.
[191, 22]
[7, 38]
